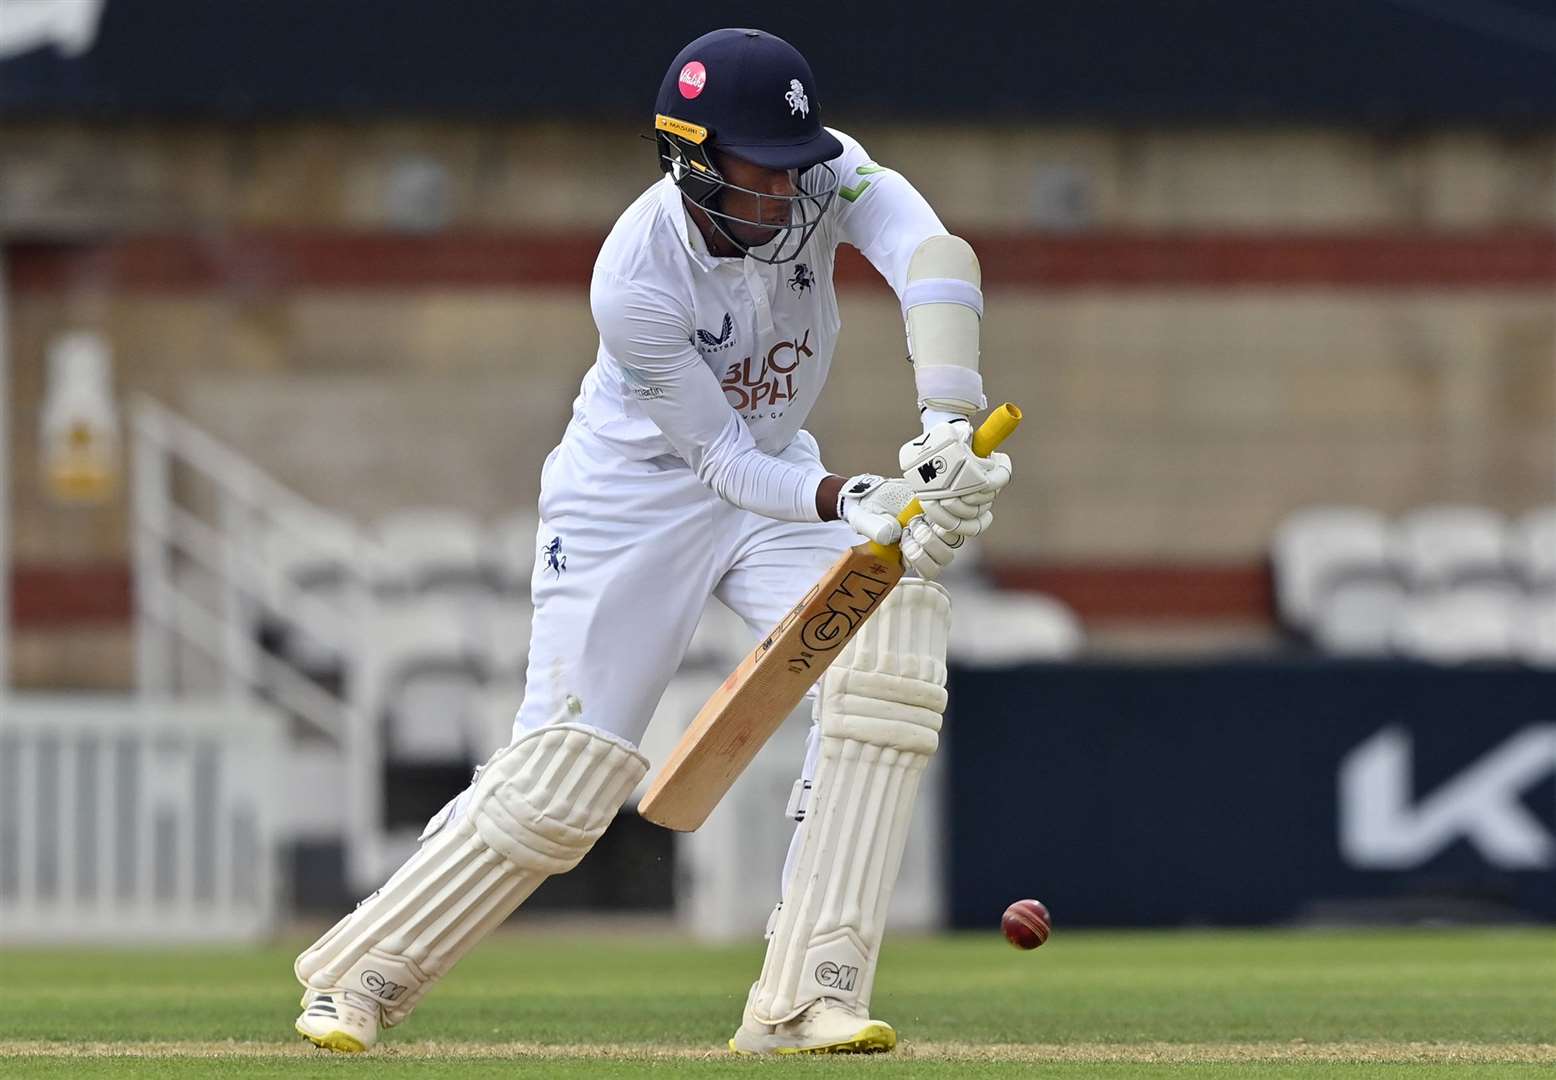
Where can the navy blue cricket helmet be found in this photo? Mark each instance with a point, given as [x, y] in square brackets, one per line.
[750, 94]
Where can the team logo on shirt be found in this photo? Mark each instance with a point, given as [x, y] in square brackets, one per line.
[750, 386]
[802, 279]
[707, 343]
[798, 102]
[553, 558]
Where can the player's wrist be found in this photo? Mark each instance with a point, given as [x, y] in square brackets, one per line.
[829, 501]
[929, 416]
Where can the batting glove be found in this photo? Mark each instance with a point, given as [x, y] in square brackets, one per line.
[926, 550]
[956, 486]
[870, 504]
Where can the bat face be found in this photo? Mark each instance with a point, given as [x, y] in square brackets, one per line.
[765, 688]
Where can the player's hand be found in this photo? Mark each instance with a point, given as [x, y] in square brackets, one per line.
[871, 504]
[956, 486]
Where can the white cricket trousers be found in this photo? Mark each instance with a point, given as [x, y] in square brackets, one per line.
[628, 554]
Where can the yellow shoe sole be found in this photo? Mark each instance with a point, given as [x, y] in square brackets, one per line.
[338, 1041]
[871, 1039]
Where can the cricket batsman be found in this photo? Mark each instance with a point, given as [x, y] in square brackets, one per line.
[686, 473]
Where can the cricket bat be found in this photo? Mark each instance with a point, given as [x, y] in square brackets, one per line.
[772, 679]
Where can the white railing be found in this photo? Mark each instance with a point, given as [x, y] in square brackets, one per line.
[128, 820]
[203, 519]
[199, 581]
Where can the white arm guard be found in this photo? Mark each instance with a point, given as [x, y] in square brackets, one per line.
[942, 303]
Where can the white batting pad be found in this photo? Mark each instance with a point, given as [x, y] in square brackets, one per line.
[880, 705]
[536, 808]
[942, 305]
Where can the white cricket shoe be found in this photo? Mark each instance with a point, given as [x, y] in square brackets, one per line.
[827, 1027]
[341, 1020]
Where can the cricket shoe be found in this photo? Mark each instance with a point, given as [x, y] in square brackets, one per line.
[341, 1020]
[827, 1027]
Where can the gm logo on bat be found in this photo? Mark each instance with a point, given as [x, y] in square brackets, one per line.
[846, 606]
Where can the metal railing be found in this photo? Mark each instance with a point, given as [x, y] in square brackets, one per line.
[203, 516]
[129, 820]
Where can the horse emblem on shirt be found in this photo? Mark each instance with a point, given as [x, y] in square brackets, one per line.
[802, 279]
[555, 561]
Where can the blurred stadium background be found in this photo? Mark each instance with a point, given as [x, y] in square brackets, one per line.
[294, 303]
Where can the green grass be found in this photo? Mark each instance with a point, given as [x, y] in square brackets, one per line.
[28, 1069]
[1463, 1003]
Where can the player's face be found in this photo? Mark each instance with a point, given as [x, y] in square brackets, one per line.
[758, 180]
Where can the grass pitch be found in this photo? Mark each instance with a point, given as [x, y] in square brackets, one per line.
[1420, 1004]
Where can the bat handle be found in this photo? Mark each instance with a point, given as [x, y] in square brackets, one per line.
[995, 429]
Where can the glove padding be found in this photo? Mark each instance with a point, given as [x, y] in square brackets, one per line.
[870, 504]
[926, 550]
[956, 486]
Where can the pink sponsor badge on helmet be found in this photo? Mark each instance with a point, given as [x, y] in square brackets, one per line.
[693, 78]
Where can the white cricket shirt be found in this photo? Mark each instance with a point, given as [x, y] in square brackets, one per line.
[720, 360]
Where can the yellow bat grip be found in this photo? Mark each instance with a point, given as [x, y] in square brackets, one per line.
[995, 429]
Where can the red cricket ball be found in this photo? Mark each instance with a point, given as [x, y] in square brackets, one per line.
[1026, 924]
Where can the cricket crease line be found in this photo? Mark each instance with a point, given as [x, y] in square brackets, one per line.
[1059, 1053]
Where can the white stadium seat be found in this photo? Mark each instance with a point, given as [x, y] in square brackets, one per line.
[1000, 628]
[1439, 547]
[423, 679]
[430, 547]
[1532, 550]
[513, 547]
[493, 724]
[1535, 639]
[1356, 617]
[311, 564]
[306, 549]
[501, 628]
[1472, 622]
[1318, 548]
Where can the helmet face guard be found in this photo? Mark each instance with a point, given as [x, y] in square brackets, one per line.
[684, 152]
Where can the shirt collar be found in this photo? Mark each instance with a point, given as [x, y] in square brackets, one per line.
[685, 228]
